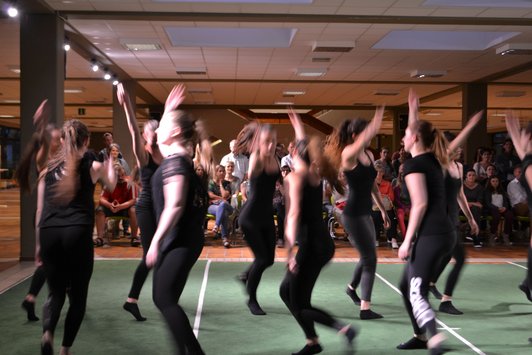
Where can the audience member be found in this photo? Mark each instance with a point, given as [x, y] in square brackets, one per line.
[506, 161]
[517, 194]
[481, 167]
[386, 163]
[241, 162]
[220, 207]
[279, 210]
[401, 201]
[387, 196]
[287, 159]
[474, 193]
[498, 205]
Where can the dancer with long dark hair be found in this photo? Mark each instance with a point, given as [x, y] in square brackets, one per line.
[148, 158]
[347, 149]
[180, 201]
[256, 217]
[65, 211]
[429, 224]
[316, 248]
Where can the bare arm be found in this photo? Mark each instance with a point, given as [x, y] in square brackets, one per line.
[297, 124]
[518, 137]
[465, 132]
[38, 214]
[293, 186]
[40, 121]
[105, 173]
[375, 193]
[352, 151]
[413, 107]
[464, 206]
[175, 193]
[417, 187]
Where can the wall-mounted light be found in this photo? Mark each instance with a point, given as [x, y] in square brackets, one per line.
[115, 80]
[66, 45]
[107, 75]
[11, 10]
[94, 65]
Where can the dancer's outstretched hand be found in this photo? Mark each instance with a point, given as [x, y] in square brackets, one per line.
[175, 98]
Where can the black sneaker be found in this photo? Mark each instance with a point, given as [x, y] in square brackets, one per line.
[353, 294]
[448, 307]
[414, 343]
[526, 291]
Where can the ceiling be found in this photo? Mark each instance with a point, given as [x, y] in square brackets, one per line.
[464, 36]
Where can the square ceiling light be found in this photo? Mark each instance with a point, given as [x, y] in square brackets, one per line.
[311, 72]
[442, 40]
[224, 37]
[140, 45]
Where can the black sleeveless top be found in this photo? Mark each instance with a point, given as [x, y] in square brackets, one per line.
[146, 172]
[315, 243]
[452, 187]
[527, 161]
[259, 205]
[435, 221]
[188, 231]
[360, 181]
[79, 211]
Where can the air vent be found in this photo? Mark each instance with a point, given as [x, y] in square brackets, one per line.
[333, 46]
[199, 91]
[515, 49]
[510, 94]
[321, 60]
[141, 44]
[420, 74]
[191, 71]
[386, 92]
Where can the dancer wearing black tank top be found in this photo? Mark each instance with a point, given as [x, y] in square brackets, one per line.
[148, 158]
[180, 201]
[316, 247]
[429, 223]
[65, 211]
[455, 199]
[350, 143]
[256, 216]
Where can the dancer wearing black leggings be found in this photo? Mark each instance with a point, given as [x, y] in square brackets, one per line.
[316, 247]
[429, 221]
[349, 146]
[256, 216]
[180, 200]
[148, 158]
[65, 209]
[456, 198]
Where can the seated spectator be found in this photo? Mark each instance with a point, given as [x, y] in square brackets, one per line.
[287, 160]
[387, 196]
[506, 161]
[474, 193]
[491, 171]
[498, 205]
[241, 162]
[481, 167]
[387, 164]
[116, 157]
[220, 207]
[119, 203]
[517, 194]
[401, 201]
[279, 210]
[235, 183]
[340, 201]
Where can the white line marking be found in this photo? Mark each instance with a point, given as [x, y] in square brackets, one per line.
[521, 266]
[443, 325]
[201, 298]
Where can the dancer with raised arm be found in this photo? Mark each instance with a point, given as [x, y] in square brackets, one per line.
[347, 149]
[180, 201]
[256, 217]
[148, 158]
[65, 211]
[316, 248]
[455, 199]
[429, 224]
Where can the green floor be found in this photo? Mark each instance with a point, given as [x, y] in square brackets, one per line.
[497, 317]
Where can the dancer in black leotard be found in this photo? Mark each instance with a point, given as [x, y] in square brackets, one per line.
[65, 209]
[455, 198]
[349, 144]
[44, 144]
[256, 217]
[148, 158]
[316, 247]
[180, 200]
[424, 176]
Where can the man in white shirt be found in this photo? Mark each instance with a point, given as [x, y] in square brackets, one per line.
[517, 194]
[287, 159]
[240, 160]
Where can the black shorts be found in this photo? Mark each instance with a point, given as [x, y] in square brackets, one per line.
[109, 213]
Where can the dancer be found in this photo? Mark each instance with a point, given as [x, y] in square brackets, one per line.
[316, 248]
[148, 158]
[455, 198]
[256, 217]
[522, 139]
[429, 221]
[44, 144]
[180, 201]
[65, 209]
[347, 148]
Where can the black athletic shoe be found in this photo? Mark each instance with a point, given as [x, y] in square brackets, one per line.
[133, 308]
[30, 310]
[309, 349]
[412, 344]
[255, 309]
[448, 307]
[369, 314]
[526, 290]
[353, 294]
[435, 292]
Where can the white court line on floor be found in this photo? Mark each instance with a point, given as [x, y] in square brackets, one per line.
[201, 298]
[521, 266]
[443, 325]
